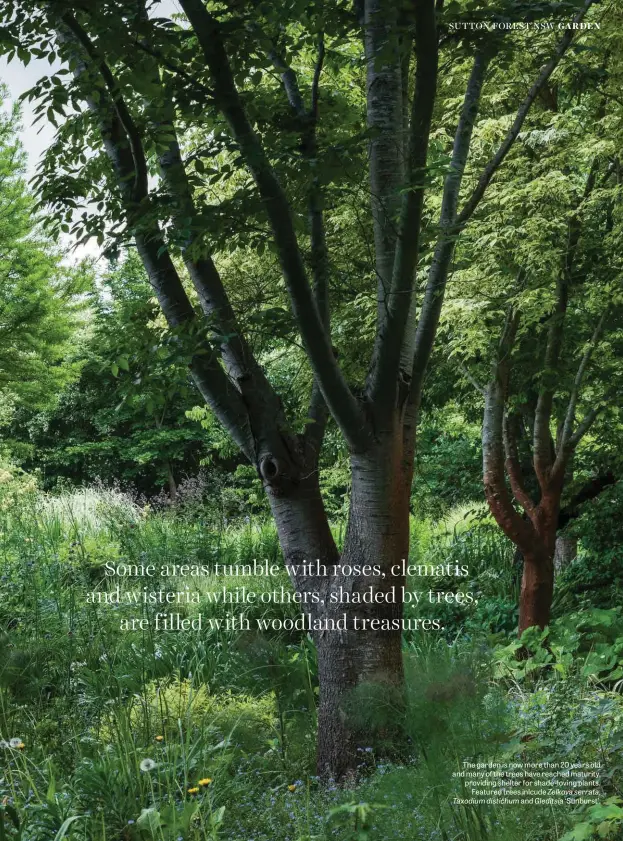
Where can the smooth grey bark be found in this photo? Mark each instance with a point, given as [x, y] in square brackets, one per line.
[386, 149]
[390, 380]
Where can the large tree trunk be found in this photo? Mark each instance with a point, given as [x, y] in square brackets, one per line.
[353, 665]
[357, 656]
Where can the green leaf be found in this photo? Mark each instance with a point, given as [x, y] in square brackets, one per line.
[149, 819]
[580, 832]
[64, 830]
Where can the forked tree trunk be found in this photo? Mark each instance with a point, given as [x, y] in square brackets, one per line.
[231, 379]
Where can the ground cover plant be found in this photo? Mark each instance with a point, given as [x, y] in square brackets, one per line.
[138, 735]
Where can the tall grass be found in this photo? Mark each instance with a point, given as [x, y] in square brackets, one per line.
[127, 736]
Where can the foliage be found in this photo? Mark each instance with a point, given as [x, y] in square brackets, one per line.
[90, 704]
[124, 418]
[40, 298]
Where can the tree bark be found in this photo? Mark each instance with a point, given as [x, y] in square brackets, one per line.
[172, 482]
[365, 658]
[566, 551]
[353, 656]
[537, 589]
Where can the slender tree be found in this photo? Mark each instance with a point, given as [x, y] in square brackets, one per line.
[538, 492]
[542, 399]
[144, 80]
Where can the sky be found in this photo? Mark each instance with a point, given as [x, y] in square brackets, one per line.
[19, 78]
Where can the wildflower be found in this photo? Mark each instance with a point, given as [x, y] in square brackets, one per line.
[3, 745]
[147, 765]
[160, 738]
[292, 788]
[205, 782]
[193, 790]
[16, 743]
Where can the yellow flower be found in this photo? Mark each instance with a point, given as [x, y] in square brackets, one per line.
[160, 738]
[193, 790]
[292, 788]
[21, 746]
[205, 781]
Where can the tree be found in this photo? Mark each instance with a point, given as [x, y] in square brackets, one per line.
[534, 533]
[554, 373]
[123, 418]
[148, 84]
[40, 299]
[547, 418]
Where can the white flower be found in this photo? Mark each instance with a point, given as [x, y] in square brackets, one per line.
[147, 765]
[3, 745]
[15, 743]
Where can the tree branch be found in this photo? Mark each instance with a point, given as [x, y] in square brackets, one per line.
[470, 377]
[316, 78]
[567, 429]
[513, 465]
[261, 399]
[207, 93]
[437, 278]
[386, 145]
[320, 265]
[317, 411]
[125, 118]
[583, 427]
[125, 157]
[290, 84]
[392, 327]
[590, 491]
[518, 529]
[546, 460]
[342, 404]
[542, 447]
[263, 403]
